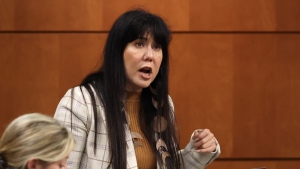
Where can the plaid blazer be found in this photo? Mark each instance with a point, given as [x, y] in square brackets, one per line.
[83, 156]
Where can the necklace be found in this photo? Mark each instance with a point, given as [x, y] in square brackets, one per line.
[134, 135]
[131, 109]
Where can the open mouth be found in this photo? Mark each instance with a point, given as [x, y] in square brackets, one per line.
[146, 70]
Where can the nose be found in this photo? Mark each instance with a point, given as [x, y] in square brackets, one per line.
[149, 54]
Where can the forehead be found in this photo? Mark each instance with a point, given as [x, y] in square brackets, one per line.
[146, 37]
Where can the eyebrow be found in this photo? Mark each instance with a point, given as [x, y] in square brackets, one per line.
[142, 38]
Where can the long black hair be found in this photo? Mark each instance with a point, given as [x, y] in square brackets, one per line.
[109, 85]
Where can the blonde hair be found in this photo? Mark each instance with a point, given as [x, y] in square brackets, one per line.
[35, 136]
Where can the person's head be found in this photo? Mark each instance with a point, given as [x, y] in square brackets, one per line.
[35, 141]
[136, 50]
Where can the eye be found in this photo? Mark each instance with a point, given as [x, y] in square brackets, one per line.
[156, 47]
[139, 44]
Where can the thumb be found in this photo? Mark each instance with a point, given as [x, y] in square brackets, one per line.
[196, 134]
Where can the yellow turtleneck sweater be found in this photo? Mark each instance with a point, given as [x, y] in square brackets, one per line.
[145, 157]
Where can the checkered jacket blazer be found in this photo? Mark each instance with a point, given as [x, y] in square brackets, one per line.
[83, 156]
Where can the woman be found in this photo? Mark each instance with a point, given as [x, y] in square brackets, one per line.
[35, 141]
[121, 115]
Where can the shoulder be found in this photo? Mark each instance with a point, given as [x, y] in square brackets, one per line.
[171, 104]
[78, 91]
[82, 94]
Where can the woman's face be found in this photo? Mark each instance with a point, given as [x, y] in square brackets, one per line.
[142, 59]
[36, 164]
[62, 164]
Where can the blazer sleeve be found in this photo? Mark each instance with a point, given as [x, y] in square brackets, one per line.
[196, 160]
[192, 159]
[72, 112]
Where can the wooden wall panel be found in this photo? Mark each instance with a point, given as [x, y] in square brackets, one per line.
[29, 73]
[175, 12]
[37, 69]
[236, 15]
[54, 15]
[201, 82]
[266, 89]
[192, 15]
[242, 87]
[81, 15]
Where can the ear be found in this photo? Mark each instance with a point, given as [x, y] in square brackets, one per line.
[32, 164]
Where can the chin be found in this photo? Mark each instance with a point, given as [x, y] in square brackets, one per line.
[137, 87]
[144, 85]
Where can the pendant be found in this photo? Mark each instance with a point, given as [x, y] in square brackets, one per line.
[135, 136]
